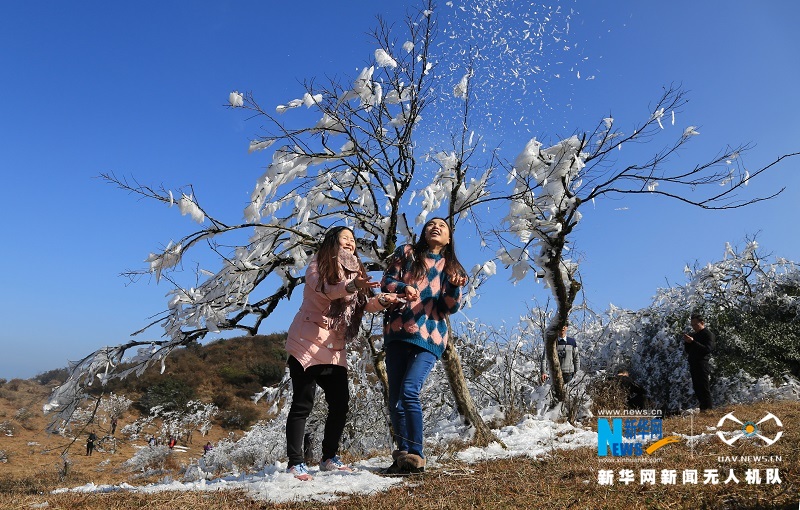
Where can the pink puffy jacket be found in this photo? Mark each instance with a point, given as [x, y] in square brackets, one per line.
[309, 340]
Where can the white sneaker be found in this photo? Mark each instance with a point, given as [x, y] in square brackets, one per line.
[300, 471]
[334, 464]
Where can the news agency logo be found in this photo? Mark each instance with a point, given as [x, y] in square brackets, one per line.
[748, 429]
[628, 437]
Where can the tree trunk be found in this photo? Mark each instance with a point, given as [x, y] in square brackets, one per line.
[551, 354]
[465, 404]
[379, 364]
[565, 294]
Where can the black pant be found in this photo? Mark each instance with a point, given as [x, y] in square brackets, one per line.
[699, 370]
[333, 381]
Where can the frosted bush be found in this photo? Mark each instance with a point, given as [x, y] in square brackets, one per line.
[148, 458]
[736, 292]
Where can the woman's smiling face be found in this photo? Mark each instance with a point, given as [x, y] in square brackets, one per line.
[347, 241]
[437, 234]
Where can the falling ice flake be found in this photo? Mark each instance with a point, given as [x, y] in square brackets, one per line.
[516, 52]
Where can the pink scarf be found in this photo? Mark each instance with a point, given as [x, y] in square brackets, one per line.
[346, 312]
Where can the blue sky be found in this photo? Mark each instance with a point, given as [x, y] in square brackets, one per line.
[140, 88]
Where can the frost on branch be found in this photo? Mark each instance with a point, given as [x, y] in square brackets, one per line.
[545, 203]
[349, 160]
[550, 184]
[257, 145]
[101, 366]
[384, 59]
[460, 90]
[236, 99]
[188, 206]
[690, 131]
[446, 181]
[170, 257]
[518, 260]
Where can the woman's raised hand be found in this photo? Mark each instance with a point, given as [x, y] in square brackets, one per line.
[459, 280]
[365, 282]
[412, 294]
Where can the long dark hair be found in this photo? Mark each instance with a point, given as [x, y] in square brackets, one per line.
[451, 264]
[345, 312]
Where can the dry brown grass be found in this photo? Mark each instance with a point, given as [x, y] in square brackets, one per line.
[567, 479]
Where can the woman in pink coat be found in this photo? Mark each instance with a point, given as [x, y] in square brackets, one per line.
[336, 294]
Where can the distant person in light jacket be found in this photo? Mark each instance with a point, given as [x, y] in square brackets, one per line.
[336, 294]
[568, 357]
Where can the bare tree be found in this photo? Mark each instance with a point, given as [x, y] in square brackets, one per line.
[354, 162]
[551, 185]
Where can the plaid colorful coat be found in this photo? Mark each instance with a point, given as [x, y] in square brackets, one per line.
[421, 322]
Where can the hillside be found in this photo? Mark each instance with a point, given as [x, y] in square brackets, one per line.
[226, 372]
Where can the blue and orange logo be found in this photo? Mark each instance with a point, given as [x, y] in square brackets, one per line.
[748, 429]
[627, 437]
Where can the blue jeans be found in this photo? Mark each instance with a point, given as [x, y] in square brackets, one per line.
[407, 367]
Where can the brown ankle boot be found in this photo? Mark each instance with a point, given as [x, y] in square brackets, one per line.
[411, 463]
[394, 469]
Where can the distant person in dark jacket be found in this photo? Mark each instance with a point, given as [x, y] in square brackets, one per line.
[699, 345]
[90, 443]
[636, 396]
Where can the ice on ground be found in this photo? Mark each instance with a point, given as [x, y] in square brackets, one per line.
[532, 437]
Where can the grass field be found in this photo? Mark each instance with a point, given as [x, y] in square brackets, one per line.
[565, 479]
